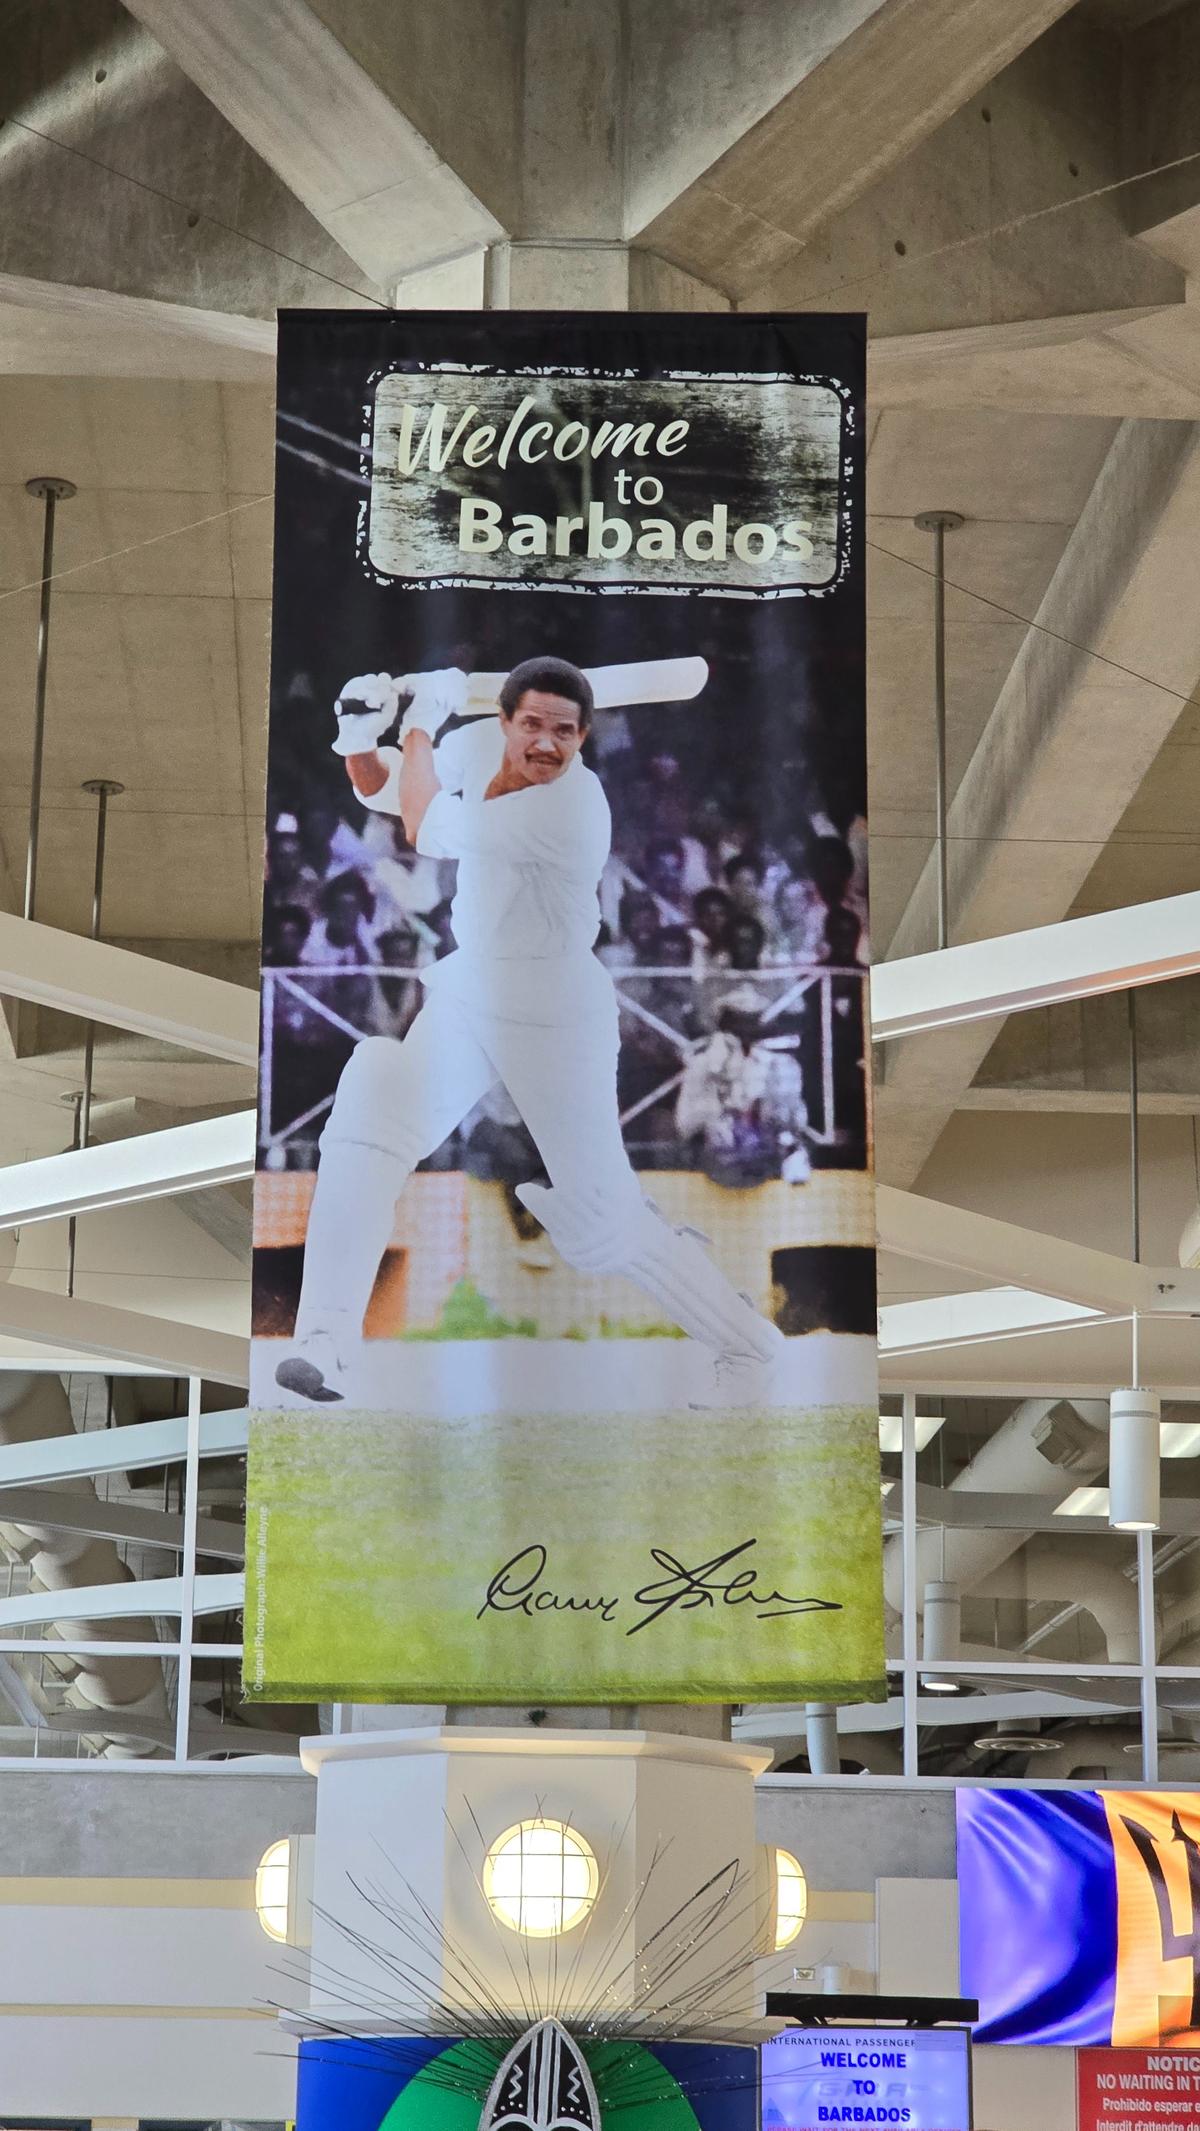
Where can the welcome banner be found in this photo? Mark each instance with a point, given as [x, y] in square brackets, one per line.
[564, 1337]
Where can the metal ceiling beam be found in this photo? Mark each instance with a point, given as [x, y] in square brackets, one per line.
[996, 1512]
[109, 984]
[121, 1601]
[203, 1739]
[937, 1321]
[938, 1234]
[1147, 943]
[132, 1449]
[165, 1345]
[1079, 958]
[148, 1165]
[124, 1521]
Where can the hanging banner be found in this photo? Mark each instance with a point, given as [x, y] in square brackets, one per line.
[1079, 1916]
[564, 1334]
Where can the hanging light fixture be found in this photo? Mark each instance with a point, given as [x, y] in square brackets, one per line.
[1133, 1461]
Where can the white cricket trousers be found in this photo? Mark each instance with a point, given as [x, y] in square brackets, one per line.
[397, 1102]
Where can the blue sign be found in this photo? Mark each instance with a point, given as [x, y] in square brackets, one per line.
[397, 2083]
[814, 2077]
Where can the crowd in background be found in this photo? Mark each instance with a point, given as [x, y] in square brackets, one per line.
[708, 911]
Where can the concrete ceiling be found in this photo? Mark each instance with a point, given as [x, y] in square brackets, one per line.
[161, 202]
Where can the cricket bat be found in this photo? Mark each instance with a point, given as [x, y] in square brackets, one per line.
[643, 681]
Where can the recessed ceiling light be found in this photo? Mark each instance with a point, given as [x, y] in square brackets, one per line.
[891, 1430]
[1015, 1742]
[1180, 1439]
[1084, 1502]
[1165, 1746]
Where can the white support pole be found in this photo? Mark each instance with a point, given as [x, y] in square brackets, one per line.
[1148, 1655]
[908, 1529]
[187, 1570]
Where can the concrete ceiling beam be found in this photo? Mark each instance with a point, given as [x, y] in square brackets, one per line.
[321, 122]
[902, 67]
[1024, 824]
[1143, 360]
[48, 329]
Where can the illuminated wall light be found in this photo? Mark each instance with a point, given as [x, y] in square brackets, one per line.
[272, 1883]
[791, 1899]
[540, 1878]
[890, 1427]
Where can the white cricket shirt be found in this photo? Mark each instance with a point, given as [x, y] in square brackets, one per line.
[526, 905]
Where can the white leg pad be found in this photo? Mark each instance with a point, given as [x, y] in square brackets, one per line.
[598, 1233]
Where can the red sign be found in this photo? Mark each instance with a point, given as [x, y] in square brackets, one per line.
[1139, 2090]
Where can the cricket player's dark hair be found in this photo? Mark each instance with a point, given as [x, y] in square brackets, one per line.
[551, 677]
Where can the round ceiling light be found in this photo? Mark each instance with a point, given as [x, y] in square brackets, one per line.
[540, 1878]
[1015, 1742]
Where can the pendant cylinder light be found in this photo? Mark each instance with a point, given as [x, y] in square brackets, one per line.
[1133, 1460]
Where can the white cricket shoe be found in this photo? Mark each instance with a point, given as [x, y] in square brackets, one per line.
[315, 1370]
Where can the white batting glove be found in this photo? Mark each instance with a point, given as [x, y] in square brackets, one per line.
[435, 697]
[365, 708]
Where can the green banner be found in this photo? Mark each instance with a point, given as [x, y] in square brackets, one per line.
[592, 1557]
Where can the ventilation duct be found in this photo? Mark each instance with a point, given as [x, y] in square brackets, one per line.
[32, 1409]
[1043, 1450]
[1080, 1573]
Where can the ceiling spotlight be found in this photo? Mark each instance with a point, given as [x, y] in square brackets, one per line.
[1015, 1742]
[937, 1683]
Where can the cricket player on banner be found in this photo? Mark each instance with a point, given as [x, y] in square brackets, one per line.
[563, 1367]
